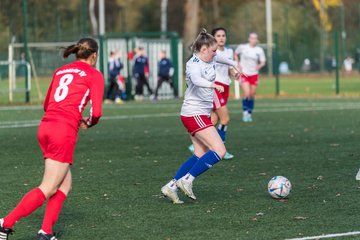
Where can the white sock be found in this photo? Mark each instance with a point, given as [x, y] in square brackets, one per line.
[188, 177]
[172, 184]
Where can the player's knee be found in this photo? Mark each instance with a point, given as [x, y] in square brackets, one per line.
[225, 120]
[199, 152]
[48, 191]
[220, 150]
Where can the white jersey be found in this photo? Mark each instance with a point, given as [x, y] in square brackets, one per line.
[250, 58]
[222, 70]
[199, 95]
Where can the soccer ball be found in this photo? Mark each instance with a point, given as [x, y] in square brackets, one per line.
[279, 187]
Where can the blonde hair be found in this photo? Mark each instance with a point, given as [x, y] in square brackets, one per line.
[204, 38]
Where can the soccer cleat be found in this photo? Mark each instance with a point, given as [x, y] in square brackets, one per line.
[4, 232]
[245, 117]
[186, 187]
[119, 101]
[171, 194]
[249, 118]
[108, 101]
[358, 175]
[44, 236]
[228, 156]
[191, 148]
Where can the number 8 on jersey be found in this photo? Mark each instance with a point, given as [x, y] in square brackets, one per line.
[62, 90]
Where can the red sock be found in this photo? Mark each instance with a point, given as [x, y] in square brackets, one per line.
[52, 212]
[28, 204]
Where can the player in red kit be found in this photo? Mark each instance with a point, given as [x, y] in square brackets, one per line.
[71, 88]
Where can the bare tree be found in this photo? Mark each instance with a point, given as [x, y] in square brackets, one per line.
[216, 12]
[94, 23]
[191, 23]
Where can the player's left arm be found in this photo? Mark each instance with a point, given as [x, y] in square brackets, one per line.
[96, 97]
[229, 62]
[262, 60]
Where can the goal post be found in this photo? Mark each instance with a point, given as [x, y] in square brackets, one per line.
[44, 58]
[12, 76]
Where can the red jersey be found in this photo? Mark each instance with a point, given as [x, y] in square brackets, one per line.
[72, 87]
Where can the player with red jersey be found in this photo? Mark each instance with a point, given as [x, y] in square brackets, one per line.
[72, 87]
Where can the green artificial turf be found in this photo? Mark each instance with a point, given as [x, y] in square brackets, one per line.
[121, 164]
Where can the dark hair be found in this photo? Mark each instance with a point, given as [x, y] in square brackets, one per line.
[82, 49]
[202, 39]
[215, 30]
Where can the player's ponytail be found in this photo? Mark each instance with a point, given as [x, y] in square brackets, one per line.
[202, 39]
[83, 49]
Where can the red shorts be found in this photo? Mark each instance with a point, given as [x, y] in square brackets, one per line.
[196, 123]
[253, 79]
[57, 141]
[220, 99]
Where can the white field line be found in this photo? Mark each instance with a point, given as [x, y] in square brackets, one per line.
[33, 123]
[178, 105]
[327, 236]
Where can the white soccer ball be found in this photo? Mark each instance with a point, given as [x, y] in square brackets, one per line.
[279, 187]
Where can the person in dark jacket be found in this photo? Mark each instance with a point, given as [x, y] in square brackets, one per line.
[141, 74]
[114, 67]
[165, 73]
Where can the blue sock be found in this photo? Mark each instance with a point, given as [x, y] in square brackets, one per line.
[186, 166]
[222, 131]
[245, 104]
[251, 104]
[204, 163]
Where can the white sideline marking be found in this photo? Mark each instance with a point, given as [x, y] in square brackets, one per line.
[327, 236]
[34, 123]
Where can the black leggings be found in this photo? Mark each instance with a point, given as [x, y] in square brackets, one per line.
[165, 79]
[113, 86]
[141, 80]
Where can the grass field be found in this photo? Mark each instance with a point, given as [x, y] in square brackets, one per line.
[121, 164]
[297, 85]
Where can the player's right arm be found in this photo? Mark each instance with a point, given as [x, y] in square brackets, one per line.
[96, 97]
[194, 74]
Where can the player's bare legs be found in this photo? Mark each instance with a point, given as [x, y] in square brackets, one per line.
[210, 138]
[208, 142]
[54, 175]
[221, 118]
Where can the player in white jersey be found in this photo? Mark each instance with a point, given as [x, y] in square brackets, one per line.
[195, 116]
[220, 115]
[252, 59]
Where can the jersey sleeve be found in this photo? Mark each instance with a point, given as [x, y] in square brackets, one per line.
[238, 50]
[194, 74]
[96, 97]
[224, 60]
[262, 56]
